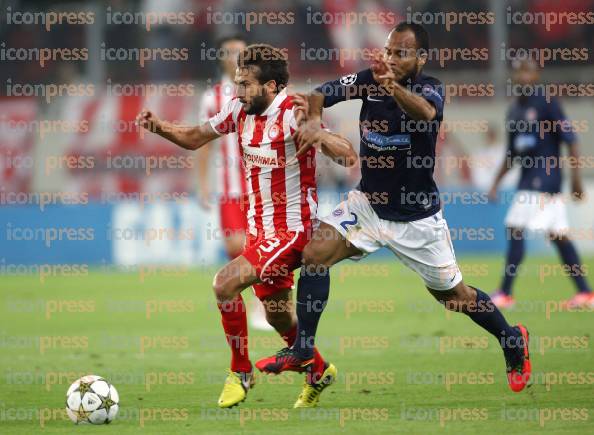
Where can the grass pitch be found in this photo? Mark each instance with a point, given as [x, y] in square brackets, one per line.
[405, 365]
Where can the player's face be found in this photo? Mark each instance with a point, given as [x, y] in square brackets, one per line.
[526, 74]
[231, 50]
[253, 95]
[400, 53]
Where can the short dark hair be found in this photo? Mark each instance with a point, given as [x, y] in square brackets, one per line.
[234, 37]
[271, 62]
[421, 35]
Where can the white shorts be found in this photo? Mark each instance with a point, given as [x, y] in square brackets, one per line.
[538, 211]
[423, 245]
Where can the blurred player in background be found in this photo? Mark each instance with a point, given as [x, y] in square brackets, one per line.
[231, 188]
[537, 131]
[282, 201]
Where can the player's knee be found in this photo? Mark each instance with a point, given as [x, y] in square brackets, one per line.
[558, 239]
[222, 288]
[458, 299]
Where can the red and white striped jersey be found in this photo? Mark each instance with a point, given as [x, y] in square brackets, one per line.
[230, 174]
[281, 197]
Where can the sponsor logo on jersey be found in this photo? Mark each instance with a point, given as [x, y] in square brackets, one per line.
[260, 157]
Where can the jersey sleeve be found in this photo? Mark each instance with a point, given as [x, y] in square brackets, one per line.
[432, 91]
[564, 129]
[349, 87]
[225, 121]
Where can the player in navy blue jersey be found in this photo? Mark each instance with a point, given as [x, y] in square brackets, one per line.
[537, 130]
[396, 204]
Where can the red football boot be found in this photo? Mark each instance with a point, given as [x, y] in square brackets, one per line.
[519, 375]
[284, 360]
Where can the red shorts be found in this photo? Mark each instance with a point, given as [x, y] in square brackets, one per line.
[275, 258]
[232, 215]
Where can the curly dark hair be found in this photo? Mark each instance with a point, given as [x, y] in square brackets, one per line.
[271, 62]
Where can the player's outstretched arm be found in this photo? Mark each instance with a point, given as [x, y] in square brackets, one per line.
[190, 138]
[415, 106]
[311, 133]
[338, 148]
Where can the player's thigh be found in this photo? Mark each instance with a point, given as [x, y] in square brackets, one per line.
[425, 247]
[327, 247]
[352, 230]
[233, 277]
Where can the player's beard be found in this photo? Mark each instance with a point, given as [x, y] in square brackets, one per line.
[257, 106]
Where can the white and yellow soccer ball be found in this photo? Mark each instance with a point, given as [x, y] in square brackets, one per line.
[91, 399]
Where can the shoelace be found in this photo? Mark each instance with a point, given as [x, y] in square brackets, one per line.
[312, 391]
[284, 352]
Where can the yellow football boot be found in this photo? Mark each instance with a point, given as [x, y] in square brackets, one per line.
[310, 394]
[235, 388]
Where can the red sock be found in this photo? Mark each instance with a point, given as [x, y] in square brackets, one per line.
[319, 363]
[234, 322]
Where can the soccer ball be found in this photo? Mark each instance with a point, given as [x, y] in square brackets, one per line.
[91, 399]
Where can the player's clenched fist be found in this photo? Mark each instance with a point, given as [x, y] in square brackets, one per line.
[148, 120]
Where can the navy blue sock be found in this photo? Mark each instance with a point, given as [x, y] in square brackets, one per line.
[571, 260]
[313, 289]
[515, 254]
[488, 316]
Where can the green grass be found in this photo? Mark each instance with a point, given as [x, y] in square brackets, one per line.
[405, 366]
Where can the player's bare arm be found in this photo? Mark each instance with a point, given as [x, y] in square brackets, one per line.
[310, 132]
[417, 107]
[500, 174]
[187, 137]
[577, 188]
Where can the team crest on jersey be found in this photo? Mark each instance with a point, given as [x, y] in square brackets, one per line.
[348, 80]
[338, 212]
[273, 131]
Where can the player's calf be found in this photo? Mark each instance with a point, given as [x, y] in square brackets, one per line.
[480, 308]
[282, 321]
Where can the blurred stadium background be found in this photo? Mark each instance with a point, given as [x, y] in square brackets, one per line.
[83, 143]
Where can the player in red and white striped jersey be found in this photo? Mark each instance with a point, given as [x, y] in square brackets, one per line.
[225, 156]
[281, 206]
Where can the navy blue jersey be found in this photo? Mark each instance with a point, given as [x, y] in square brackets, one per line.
[536, 130]
[397, 153]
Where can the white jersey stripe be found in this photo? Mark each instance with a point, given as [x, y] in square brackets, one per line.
[294, 222]
[266, 186]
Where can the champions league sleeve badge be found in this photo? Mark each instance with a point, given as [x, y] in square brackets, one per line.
[348, 80]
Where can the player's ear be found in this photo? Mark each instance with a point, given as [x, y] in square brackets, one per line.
[271, 87]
